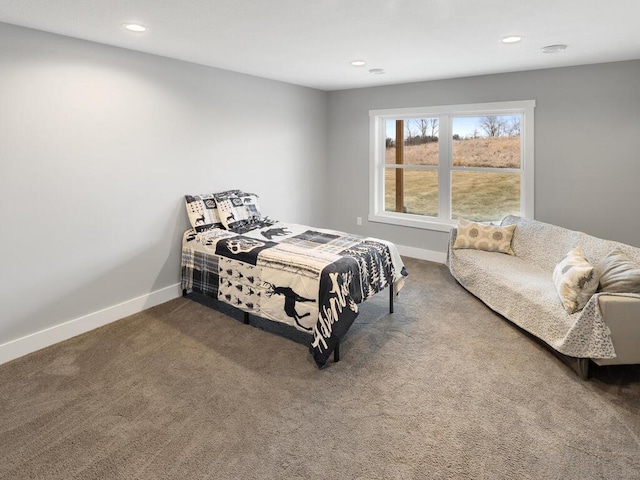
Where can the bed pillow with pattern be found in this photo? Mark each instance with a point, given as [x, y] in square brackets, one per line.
[203, 212]
[238, 209]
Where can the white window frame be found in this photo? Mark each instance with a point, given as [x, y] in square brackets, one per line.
[377, 125]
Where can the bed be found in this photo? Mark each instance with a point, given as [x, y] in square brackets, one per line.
[311, 279]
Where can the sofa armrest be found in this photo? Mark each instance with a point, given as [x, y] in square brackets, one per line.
[453, 233]
[621, 313]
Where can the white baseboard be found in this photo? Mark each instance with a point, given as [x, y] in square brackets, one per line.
[422, 254]
[49, 336]
[58, 333]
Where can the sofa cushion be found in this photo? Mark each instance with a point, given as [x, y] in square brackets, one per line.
[519, 290]
[618, 274]
[479, 236]
[575, 280]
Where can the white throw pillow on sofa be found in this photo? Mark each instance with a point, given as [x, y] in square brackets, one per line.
[575, 280]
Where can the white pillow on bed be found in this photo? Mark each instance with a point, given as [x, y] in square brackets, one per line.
[237, 208]
[203, 212]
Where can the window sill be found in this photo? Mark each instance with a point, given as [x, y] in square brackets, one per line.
[414, 221]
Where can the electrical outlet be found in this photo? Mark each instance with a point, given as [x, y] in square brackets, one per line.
[358, 220]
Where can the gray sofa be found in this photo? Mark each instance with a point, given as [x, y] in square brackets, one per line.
[520, 287]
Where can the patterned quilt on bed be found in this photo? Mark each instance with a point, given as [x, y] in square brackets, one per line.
[309, 278]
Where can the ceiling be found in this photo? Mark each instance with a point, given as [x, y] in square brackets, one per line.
[312, 42]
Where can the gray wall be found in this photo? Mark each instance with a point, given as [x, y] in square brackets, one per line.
[587, 147]
[98, 145]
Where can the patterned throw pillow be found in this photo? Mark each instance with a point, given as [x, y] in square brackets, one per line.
[575, 280]
[237, 209]
[618, 273]
[203, 212]
[484, 237]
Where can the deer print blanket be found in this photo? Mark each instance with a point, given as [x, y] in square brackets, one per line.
[312, 279]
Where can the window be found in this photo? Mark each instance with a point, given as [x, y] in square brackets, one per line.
[433, 165]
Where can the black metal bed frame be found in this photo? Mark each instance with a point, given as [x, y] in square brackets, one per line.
[336, 350]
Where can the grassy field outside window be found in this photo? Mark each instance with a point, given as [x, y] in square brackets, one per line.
[479, 196]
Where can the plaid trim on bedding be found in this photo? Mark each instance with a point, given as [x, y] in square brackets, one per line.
[323, 242]
[200, 272]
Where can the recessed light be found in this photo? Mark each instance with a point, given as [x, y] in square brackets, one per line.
[134, 27]
[376, 71]
[512, 39]
[358, 63]
[554, 48]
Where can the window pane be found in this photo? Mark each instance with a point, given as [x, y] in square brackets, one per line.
[490, 141]
[419, 141]
[417, 189]
[483, 196]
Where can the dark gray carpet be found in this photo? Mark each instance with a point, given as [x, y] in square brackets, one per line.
[443, 388]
